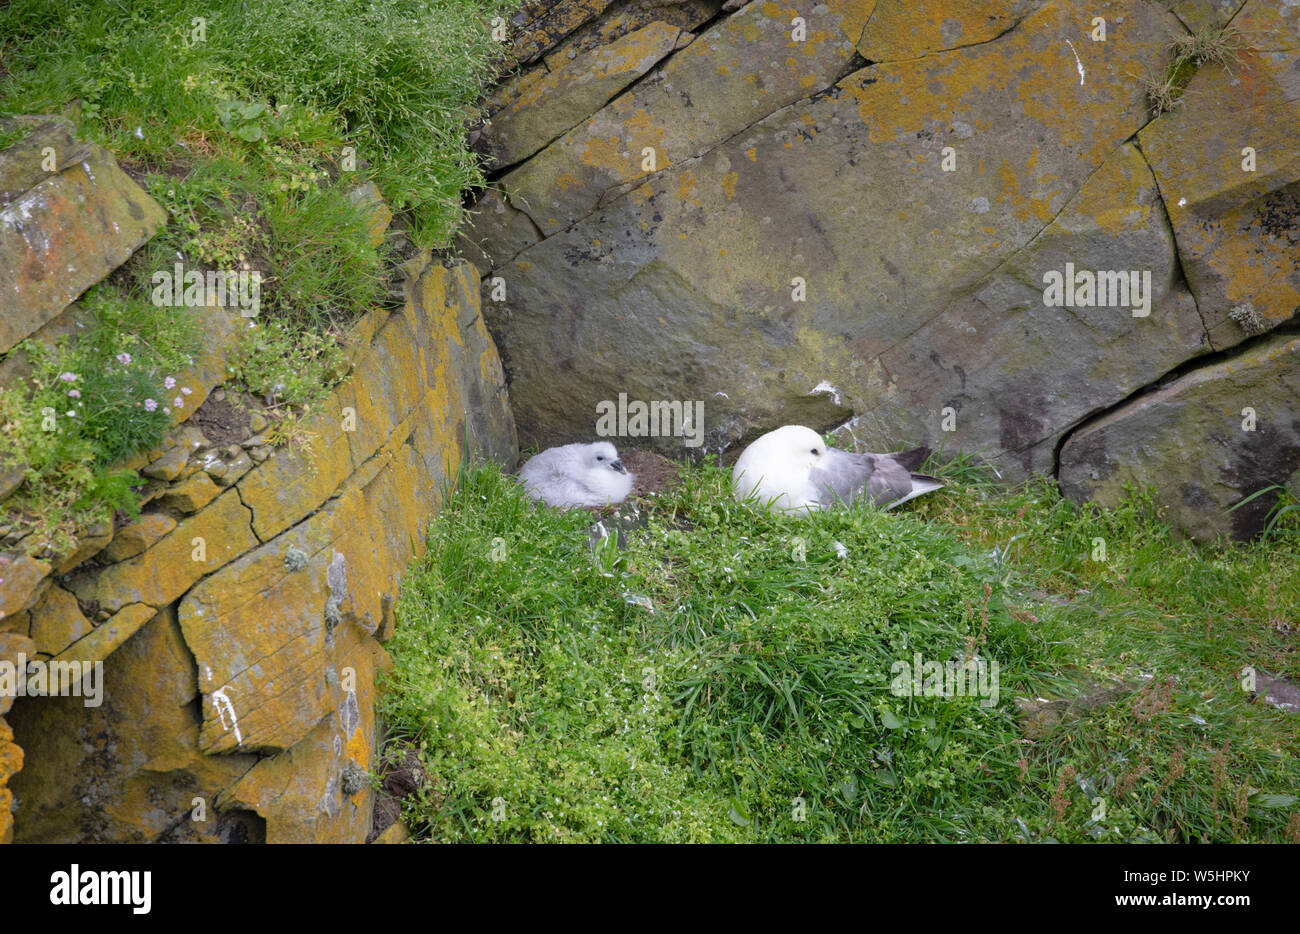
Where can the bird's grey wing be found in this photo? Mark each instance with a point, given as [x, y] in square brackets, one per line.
[843, 477]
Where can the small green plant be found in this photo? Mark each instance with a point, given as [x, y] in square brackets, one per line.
[1209, 45]
[285, 364]
[249, 120]
[13, 134]
[1283, 514]
[89, 403]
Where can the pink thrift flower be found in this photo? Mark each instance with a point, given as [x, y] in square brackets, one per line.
[74, 393]
[67, 377]
[179, 402]
[186, 390]
[150, 405]
[124, 358]
[169, 383]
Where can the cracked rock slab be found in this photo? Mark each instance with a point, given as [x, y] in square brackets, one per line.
[541, 109]
[129, 769]
[684, 287]
[902, 29]
[65, 232]
[733, 74]
[1189, 445]
[1018, 373]
[1238, 231]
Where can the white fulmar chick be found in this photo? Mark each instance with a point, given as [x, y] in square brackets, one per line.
[577, 475]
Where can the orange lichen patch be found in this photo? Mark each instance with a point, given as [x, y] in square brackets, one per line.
[1041, 209]
[902, 29]
[686, 188]
[752, 152]
[896, 101]
[566, 181]
[600, 152]
[358, 748]
[1007, 176]
[556, 23]
[643, 131]
[729, 185]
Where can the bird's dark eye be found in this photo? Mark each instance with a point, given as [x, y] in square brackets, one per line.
[600, 457]
[815, 451]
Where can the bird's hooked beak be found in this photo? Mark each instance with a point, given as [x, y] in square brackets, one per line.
[618, 465]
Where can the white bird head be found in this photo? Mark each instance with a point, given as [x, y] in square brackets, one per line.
[604, 474]
[603, 456]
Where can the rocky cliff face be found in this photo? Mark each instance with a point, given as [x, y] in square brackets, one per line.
[240, 619]
[844, 214]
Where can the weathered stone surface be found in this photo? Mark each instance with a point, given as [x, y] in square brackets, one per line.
[629, 16]
[191, 494]
[319, 791]
[139, 536]
[682, 288]
[14, 648]
[128, 770]
[57, 622]
[541, 109]
[283, 489]
[1238, 231]
[1187, 443]
[105, 638]
[66, 231]
[261, 639]
[10, 479]
[24, 165]
[396, 833]
[264, 634]
[18, 622]
[750, 67]
[1018, 373]
[169, 466]
[89, 543]
[901, 29]
[372, 200]
[495, 225]
[22, 581]
[540, 24]
[1197, 14]
[11, 762]
[200, 545]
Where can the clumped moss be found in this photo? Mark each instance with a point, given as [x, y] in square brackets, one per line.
[1247, 318]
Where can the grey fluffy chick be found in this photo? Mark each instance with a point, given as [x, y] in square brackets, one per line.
[577, 475]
